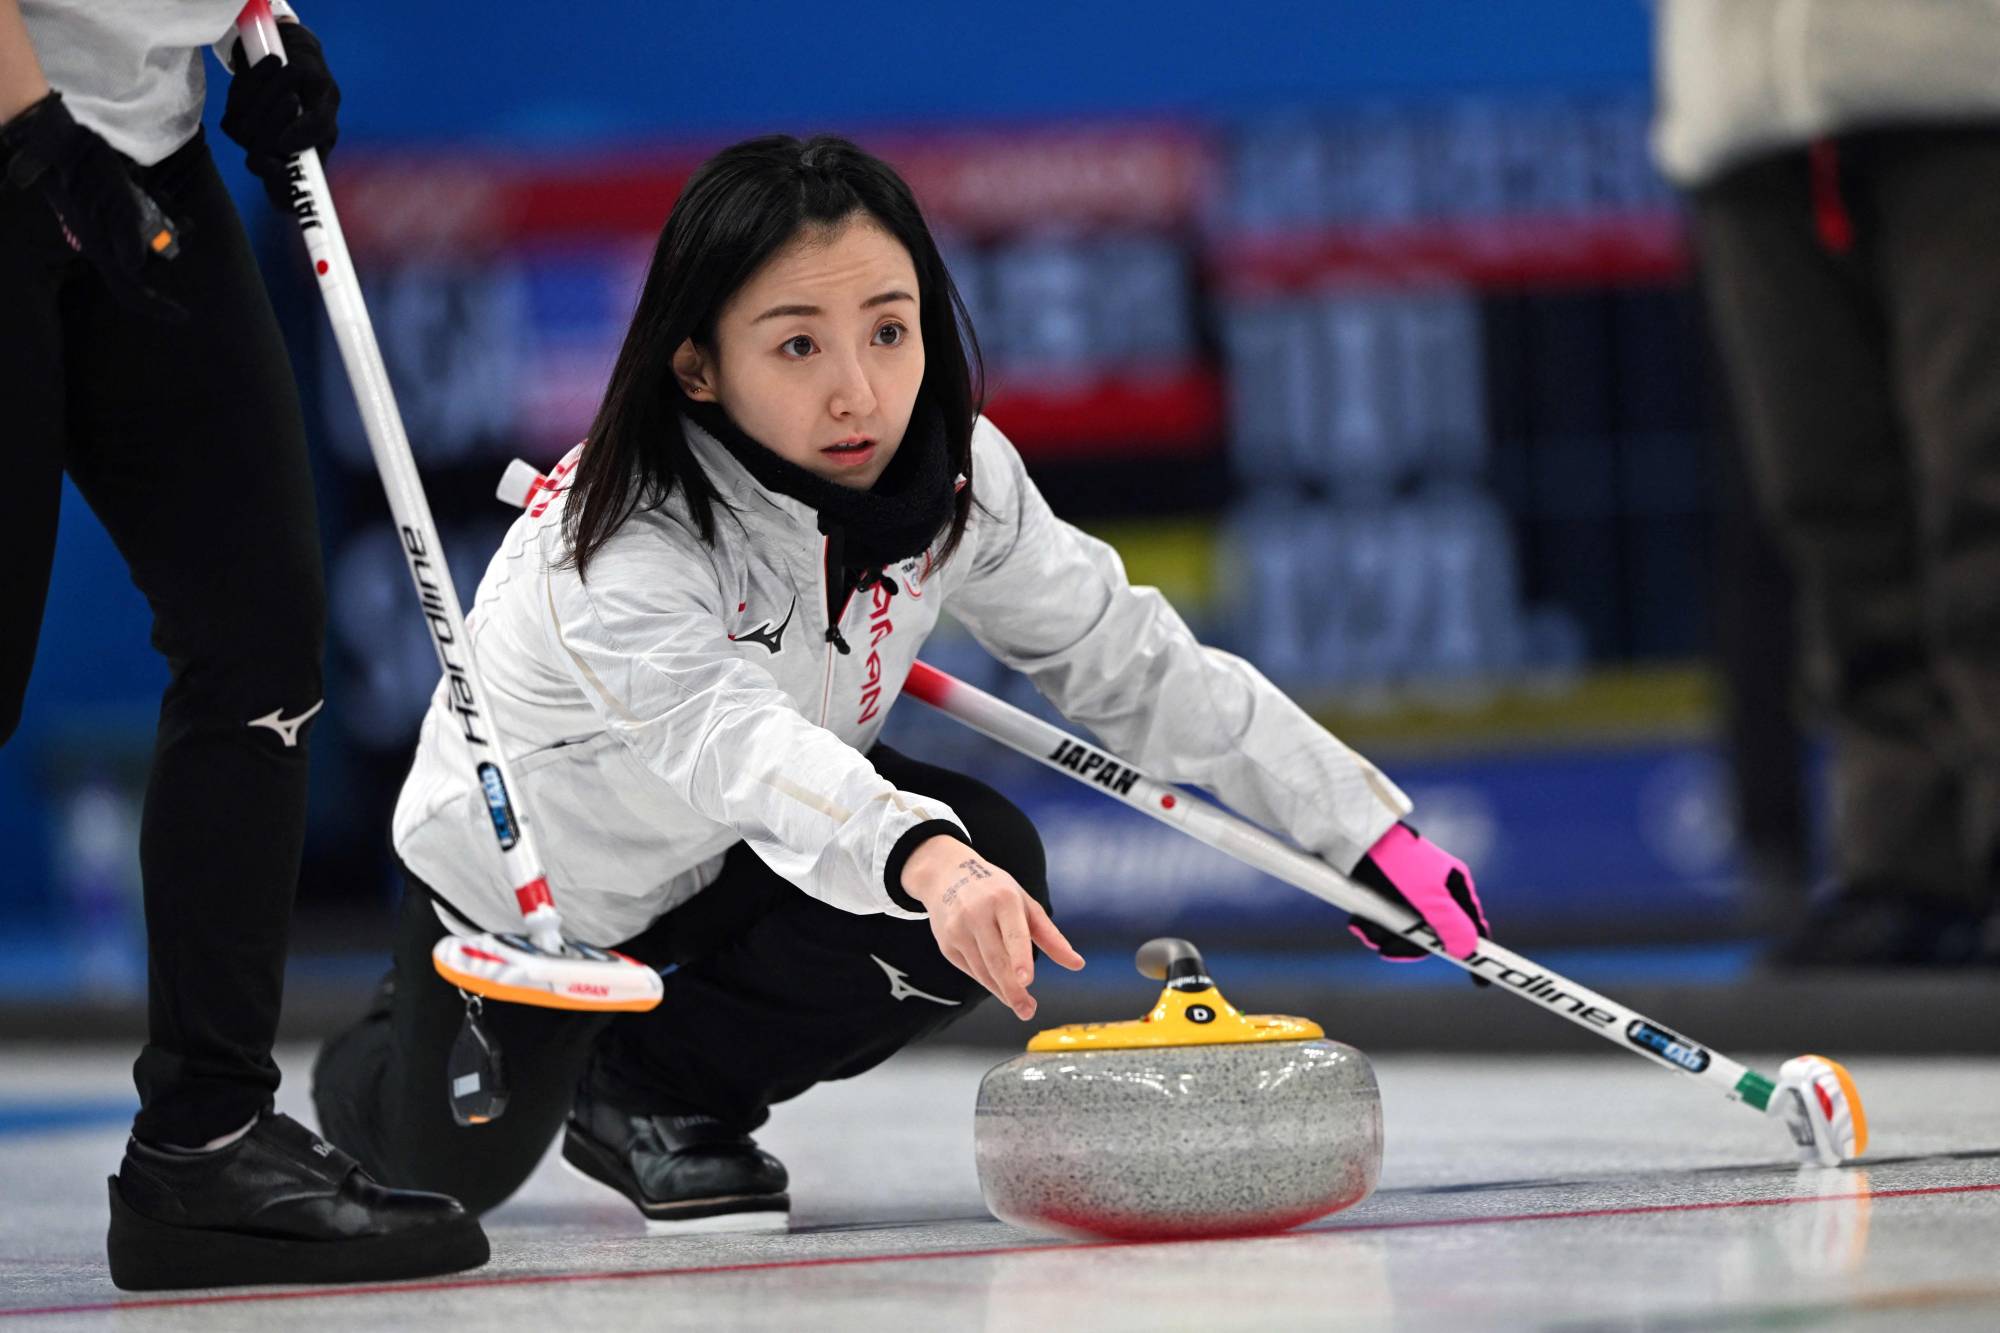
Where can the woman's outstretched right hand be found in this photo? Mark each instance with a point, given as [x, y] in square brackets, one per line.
[986, 924]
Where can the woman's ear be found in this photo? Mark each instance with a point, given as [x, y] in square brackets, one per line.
[692, 369]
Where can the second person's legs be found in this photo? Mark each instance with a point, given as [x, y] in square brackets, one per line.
[1810, 364]
[1936, 198]
[187, 441]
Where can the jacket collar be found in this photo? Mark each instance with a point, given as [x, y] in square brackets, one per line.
[733, 481]
[901, 515]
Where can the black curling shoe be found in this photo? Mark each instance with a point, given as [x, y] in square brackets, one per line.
[683, 1172]
[280, 1204]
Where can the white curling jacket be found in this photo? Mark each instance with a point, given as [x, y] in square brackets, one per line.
[131, 70]
[684, 698]
[1738, 78]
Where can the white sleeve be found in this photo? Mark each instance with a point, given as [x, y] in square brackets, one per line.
[1054, 603]
[645, 641]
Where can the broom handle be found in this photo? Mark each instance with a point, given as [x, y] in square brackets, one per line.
[1624, 1027]
[416, 531]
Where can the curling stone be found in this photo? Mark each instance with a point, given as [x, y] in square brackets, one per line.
[1196, 1120]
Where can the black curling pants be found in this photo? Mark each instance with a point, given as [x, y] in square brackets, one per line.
[187, 442]
[1856, 296]
[774, 991]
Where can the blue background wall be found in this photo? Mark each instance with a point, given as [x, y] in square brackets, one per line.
[639, 71]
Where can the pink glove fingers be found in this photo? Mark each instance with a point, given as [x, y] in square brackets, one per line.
[1420, 870]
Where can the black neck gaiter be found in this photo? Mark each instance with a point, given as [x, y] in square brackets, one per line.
[895, 519]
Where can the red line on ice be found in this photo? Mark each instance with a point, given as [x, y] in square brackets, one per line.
[842, 1261]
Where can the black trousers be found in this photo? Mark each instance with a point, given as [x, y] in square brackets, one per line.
[1856, 297]
[187, 442]
[773, 992]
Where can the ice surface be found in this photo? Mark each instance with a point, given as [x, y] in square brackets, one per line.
[1516, 1193]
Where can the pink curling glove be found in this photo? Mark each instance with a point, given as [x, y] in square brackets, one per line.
[1430, 881]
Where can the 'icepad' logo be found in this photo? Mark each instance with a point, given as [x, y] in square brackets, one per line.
[498, 806]
[1669, 1047]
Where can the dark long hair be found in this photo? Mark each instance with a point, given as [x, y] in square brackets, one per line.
[738, 209]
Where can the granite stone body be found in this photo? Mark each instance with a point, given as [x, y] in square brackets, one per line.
[1178, 1141]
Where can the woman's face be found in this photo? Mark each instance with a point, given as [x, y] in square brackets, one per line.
[819, 356]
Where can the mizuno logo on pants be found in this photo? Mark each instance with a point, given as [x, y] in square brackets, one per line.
[286, 727]
[901, 989]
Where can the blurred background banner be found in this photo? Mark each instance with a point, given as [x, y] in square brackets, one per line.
[1370, 342]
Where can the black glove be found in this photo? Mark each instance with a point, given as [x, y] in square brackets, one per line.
[105, 215]
[278, 107]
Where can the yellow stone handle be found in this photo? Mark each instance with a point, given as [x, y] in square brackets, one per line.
[1189, 1012]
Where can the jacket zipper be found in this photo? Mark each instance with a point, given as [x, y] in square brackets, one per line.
[832, 631]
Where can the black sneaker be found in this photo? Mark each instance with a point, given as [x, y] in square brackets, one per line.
[280, 1204]
[683, 1172]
